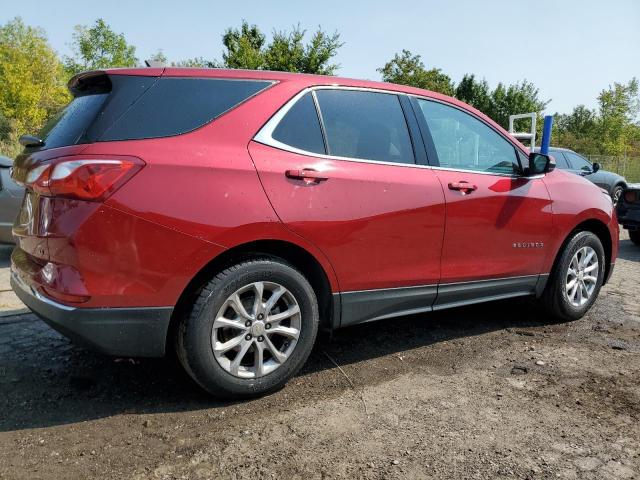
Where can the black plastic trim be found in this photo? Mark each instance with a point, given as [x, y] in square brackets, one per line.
[459, 294]
[542, 283]
[125, 332]
[369, 305]
[430, 147]
[419, 151]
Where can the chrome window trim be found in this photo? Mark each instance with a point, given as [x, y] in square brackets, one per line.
[508, 139]
[471, 114]
[265, 134]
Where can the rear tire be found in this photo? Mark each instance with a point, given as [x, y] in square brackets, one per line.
[635, 236]
[575, 282]
[262, 310]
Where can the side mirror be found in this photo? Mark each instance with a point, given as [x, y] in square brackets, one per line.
[595, 167]
[584, 171]
[540, 163]
[30, 141]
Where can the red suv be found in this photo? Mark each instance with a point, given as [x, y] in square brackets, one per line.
[231, 214]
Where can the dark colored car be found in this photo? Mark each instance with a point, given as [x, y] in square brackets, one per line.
[569, 160]
[10, 200]
[628, 209]
[233, 213]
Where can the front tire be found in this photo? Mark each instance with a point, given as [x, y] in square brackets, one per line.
[616, 194]
[251, 328]
[635, 236]
[575, 282]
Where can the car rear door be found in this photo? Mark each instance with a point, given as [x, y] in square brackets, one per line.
[498, 222]
[339, 166]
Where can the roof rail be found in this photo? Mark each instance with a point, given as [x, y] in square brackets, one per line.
[531, 135]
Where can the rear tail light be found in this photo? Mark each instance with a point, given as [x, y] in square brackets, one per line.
[630, 196]
[92, 179]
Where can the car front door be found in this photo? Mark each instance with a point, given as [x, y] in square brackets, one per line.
[339, 166]
[498, 222]
[582, 166]
[561, 161]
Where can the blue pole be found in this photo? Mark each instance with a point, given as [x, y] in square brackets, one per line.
[546, 134]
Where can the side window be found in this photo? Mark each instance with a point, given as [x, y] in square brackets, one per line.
[175, 105]
[561, 162]
[366, 125]
[577, 162]
[464, 142]
[300, 127]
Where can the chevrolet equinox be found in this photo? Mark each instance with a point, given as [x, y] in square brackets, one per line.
[230, 214]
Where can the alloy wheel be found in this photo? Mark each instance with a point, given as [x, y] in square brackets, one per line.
[256, 329]
[582, 276]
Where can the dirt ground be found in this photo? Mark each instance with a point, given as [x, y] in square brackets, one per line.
[493, 391]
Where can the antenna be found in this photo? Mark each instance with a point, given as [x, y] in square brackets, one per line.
[154, 64]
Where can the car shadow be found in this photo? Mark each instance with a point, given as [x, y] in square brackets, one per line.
[629, 251]
[46, 381]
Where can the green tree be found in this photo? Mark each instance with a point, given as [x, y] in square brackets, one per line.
[475, 93]
[32, 82]
[244, 47]
[99, 47]
[6, 129]
[287, 52]
[408, 69]
[159, 57]
[619, 107]
[196, 62]
[247, 47]
[578, 130]
[522, 97]
[581, 120]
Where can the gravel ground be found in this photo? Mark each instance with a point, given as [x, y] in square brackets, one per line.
[496, 390]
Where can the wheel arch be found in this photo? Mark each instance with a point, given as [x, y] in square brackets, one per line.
[291, 253]
[618, 183]
[600, 230]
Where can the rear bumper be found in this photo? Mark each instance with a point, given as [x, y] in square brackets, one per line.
[127, 332]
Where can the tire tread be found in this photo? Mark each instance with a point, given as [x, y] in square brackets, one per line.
[552, 299]
[202, 300]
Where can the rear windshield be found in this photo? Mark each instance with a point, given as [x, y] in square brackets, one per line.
[133, 107]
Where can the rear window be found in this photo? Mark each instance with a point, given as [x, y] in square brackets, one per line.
[69, 125]
[366, 125]
[134, 107]
[300, 127]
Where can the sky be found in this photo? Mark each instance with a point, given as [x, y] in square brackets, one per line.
[570, 49]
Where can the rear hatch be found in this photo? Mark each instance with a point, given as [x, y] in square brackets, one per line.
[99, 101]
[65, 179]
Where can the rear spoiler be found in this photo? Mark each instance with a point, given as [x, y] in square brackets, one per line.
[529, 136]
[94, 81]
[97, 81]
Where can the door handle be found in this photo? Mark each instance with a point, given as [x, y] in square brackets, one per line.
[308, 175]
[462, 186]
